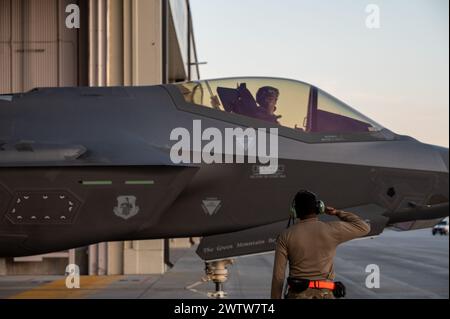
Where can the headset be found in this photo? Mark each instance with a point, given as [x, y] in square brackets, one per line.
[319, 207]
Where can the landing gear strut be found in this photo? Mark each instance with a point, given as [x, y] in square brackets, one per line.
[217, 272]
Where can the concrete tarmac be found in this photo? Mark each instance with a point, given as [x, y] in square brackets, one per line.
[412, 264]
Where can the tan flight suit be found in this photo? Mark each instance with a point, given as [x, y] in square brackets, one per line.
[310, 247]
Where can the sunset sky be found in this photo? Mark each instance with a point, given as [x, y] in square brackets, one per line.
[397, 74]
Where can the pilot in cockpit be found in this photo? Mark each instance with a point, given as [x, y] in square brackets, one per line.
[267, 98]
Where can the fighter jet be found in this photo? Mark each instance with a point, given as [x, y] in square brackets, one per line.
[207, 158]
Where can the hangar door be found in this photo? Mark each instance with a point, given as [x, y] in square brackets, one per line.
[36, 48]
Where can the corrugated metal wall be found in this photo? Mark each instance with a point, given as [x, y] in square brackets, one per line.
[36, 48]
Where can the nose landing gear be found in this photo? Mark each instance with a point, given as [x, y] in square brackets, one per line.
[217, 272]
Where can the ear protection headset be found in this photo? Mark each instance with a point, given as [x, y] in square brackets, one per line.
[319, 205]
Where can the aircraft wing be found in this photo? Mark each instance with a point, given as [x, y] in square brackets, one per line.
[263, 239]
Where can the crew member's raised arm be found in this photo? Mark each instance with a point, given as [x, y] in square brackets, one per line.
[349, 227]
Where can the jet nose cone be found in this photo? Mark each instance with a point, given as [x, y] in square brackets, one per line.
[444, 154]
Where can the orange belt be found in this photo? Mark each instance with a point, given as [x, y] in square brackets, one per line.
[318, 284]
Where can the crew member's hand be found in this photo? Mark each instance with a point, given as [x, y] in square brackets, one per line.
[331, 211]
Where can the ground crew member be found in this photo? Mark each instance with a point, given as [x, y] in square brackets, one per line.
[310, 246]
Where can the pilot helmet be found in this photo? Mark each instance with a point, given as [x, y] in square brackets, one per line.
[265, 92]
